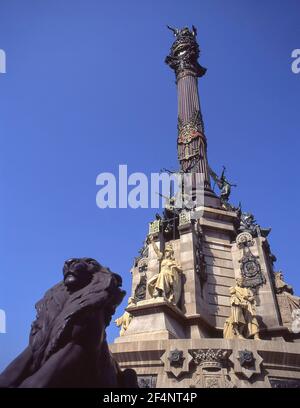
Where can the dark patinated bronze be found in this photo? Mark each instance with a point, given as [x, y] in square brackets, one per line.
[67, 343]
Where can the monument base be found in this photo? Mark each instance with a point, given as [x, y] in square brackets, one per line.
[210, 363]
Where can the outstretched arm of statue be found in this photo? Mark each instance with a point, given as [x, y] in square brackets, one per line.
[155, 247]
[178, 267]
[14, 374]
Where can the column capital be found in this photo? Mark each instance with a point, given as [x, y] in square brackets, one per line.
[184, 53]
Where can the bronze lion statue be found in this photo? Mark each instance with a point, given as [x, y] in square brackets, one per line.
[67, 343]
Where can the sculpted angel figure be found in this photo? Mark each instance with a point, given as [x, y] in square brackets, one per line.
[223, 185]
[242, 322]
[167, 283]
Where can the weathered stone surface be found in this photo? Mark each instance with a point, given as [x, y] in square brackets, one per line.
[214, 279]
[218, 290]
[154, 318]
[275, 359]
[221, 271]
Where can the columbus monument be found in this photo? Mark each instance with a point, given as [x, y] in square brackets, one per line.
[208, 308]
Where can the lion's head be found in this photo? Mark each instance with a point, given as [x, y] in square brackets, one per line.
[78, 272]
[86, 286]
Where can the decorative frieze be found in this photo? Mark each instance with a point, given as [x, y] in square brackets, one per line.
[250, 267]
[211, 369]
[176, 362]
[211, 358]
[246, 363]
[176, 358]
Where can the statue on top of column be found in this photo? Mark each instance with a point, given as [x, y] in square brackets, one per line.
[183, 31]
[185, 52]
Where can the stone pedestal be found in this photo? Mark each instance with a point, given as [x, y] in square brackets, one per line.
[154, 319]
[194, 329]
[211, 363]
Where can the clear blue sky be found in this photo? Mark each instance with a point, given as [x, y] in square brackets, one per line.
[87, 89]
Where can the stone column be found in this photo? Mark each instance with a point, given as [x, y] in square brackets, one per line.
[191, 142]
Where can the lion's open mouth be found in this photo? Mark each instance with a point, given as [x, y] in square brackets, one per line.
[70, 274]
